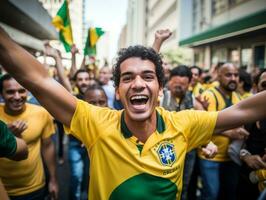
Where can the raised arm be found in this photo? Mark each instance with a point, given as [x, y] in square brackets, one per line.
[63, 79]
[73, 68]
[33, 76]
[247, 111]
[160, 37]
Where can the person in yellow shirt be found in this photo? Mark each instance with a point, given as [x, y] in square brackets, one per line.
[245, 84]
[220, 174]
[26, 179]
[139, 150]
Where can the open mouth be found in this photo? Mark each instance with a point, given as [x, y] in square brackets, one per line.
[139, 100]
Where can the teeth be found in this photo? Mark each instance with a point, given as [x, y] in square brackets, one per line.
[139, 97]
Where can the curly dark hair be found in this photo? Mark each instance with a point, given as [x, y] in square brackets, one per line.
[140, 52]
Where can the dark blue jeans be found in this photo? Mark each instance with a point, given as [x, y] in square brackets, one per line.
[79, 167]
[188, 169]
[36, 195]
[219, 179]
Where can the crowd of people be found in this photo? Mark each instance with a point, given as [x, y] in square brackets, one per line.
[138, 130]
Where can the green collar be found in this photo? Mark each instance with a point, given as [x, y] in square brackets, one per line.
[160, 125]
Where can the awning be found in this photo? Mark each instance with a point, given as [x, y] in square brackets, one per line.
[246, 24]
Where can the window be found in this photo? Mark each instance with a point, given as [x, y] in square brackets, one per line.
[219, 6]
[246, 57]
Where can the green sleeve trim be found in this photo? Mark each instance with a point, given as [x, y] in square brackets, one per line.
[8, 143]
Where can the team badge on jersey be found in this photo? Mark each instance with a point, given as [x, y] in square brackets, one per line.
[166, 154]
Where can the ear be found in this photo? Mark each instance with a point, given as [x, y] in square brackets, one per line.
[117, 96]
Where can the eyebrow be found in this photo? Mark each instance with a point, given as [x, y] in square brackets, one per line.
[144, 72]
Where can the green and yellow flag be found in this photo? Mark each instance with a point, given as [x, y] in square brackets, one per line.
[93, 35]
[62, 22]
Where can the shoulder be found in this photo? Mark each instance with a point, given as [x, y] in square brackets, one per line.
[84, 108]
[36, 110]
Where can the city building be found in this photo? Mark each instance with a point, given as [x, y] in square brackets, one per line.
[77, 17]
[27, 22]
[144, 17]
[224, 30]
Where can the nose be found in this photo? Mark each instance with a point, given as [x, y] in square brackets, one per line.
[138, 83]
[16, 95]
[233, 77]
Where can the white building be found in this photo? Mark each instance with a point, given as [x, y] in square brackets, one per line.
[146, 16]
[77, 17]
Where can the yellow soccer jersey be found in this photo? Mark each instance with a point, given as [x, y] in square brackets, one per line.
[217, 103]
[23, 177]
[261, 175]
[246, 95]
[197, 90]
[124, 168]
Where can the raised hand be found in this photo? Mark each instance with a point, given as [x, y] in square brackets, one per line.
[160, 36]
[204, 102]
[50, 51]
[74, 50]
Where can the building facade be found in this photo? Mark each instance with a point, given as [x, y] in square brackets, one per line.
[77, 17]
[224, 30]
[144, 17]
[27, 22]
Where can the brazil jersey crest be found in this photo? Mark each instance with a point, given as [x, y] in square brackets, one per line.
[166, 154]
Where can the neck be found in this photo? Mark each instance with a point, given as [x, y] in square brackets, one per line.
[142, 129]
[14, 112]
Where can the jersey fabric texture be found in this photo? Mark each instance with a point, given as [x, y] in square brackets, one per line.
[124, 168]
[197, 90]
[26, 176]
[8, 144]
[219, 102]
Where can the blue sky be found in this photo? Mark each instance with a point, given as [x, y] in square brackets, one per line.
[109, 15]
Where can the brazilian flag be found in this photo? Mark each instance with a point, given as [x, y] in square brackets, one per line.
[93, 35]
[62, 22]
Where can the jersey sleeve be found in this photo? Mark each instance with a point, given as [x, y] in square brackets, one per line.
[88, 122]
[8, 144]
[200, 125]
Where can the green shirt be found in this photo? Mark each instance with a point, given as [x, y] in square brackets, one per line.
[8, 144]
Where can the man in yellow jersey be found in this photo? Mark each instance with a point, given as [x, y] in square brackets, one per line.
[26, 179]
[138, 152]
[220, 174]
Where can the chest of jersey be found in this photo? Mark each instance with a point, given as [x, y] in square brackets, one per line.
[122, 161]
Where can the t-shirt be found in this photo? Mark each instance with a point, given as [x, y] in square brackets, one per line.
[122, 167]
[197, 90]
[218, 102]
[26, 176]
[8, 144]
